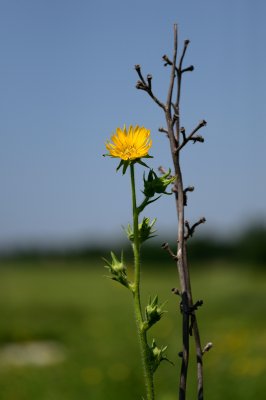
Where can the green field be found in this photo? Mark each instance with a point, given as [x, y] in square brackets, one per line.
[88, 319]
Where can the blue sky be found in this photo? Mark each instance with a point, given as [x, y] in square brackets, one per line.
[67, 81]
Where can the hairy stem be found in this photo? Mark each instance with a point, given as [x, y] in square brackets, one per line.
[144, 347]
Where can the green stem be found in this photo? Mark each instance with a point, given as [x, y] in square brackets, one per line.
[145, 349]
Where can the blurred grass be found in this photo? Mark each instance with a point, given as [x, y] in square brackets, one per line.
[92, 318]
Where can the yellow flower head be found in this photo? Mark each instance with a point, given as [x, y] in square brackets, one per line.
[130, 144]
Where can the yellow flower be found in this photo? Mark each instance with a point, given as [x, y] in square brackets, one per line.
[130, 144]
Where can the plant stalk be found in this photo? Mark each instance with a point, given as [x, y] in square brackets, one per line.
[144, 347]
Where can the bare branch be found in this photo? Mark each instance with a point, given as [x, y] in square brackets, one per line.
[162, 170]
[191, 229]
[176, 291]
[140, 85]
[165, 246]
[143, 85]
[161, 129]
[173, 132]
[183, 132]
[168, 62]
[179, 74]
[191, 136]
[195, 306]
[197, 138]
[138, 69]
[207, 347]
[188, 69]
[186, 43]
[149, 79]
[188, 189]
[172, 78]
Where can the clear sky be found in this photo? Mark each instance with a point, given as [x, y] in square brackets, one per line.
[67, 81]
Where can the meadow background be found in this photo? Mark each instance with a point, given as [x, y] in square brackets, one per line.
[85, 320]
[67, 81]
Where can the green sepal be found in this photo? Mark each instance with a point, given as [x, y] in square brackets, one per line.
[139, 161]
[120, 165]
[147, 156]
[118, 270]
[125, 164]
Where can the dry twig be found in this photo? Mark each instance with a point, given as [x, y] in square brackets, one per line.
[178, 139]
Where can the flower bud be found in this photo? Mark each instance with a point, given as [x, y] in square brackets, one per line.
[145, 229]
[155, 184]
[118, 270]
[153, 311]
[157, 355]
